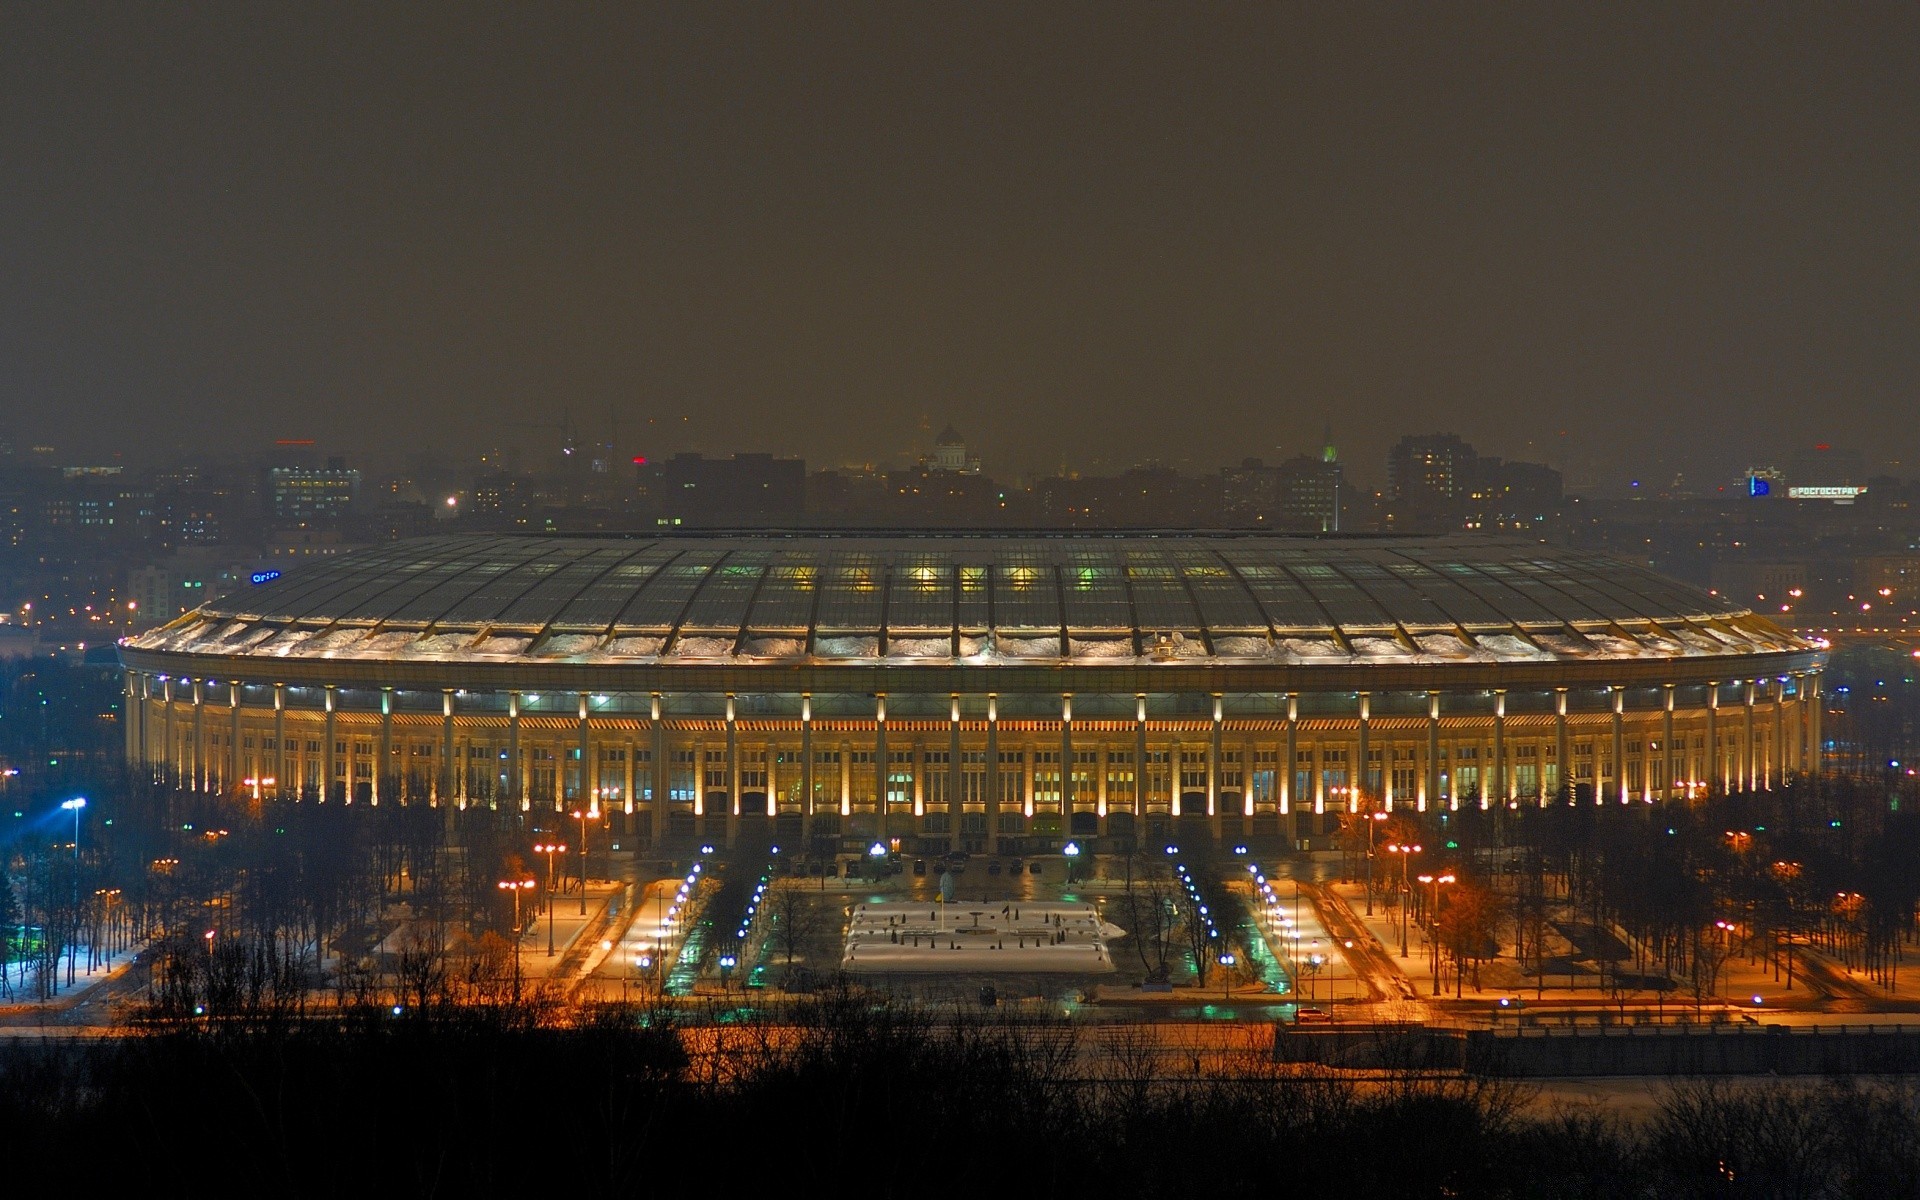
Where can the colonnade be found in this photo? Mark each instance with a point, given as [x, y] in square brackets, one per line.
[973, 780]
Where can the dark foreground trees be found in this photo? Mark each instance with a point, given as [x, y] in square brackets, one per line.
[848, 1094]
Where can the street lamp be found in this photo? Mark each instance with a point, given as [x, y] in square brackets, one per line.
[74, 806]
[581, 815]
[1226, 976]
[550, 849]
[516, 886]
[1433, 921]
[1403, 849]
[1072, 851]
[1372, 817]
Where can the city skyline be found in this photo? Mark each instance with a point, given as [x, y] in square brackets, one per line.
[1068, 232]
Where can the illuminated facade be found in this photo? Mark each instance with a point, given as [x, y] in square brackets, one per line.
[976, 691]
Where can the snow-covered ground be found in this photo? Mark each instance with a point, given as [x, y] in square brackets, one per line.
[22, 979]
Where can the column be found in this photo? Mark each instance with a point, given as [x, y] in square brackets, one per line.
[1066, 764]
[773, 786]
[1174, 783]
[326, 749]
[1289, 770]
[806, 769]
[627, 780]
[1318, 777]
[1431, 776]
[1213, 770]
[955, 811]
[280, 739]
[1749, 767]
[1620, 744]
[172, 756]
[1139, 764]
[1563, 760]
[383, 768]
[516, 784]
[449, 787]
[733, 774]
[1498, 767]
[1359, 798]
[880, 764]
[138, 723]
[588, 789]
[1712, 771]
[201, 773]
[1816, 743]
[1102, 770]
[129, 702]
[993, 765]
[1776, 749]
[660, 769]
[236, 767]
[1666, 738]
[1027, 765]
[1247, 752]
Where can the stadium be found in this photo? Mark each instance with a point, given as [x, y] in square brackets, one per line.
[972, 691]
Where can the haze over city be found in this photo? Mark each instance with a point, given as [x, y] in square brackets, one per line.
[1073, 230]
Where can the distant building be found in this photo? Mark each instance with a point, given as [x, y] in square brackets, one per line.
[950, 454]
[1511, 495]
[692, 489]
[312, 493]
[1300, 495]
[1429, 470]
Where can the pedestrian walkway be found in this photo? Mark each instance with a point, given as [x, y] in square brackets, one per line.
[90, 970]
[548, 939]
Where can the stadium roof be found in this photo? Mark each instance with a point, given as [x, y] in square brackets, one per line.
[954, 599]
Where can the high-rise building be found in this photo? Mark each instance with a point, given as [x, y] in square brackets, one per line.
[1429, 469]
[297, 494]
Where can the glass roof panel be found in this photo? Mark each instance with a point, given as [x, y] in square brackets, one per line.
[786, 594]
[1224, 601]
[1445, 592]
[920, 593]
[1026, 591]
[601, 602]
[477, 569]
[722, 605]
[540, 603]
[1159, 597]
[1494, 583]
[664, 595]
[1344, 602]
[1395, 594]
[975, 581]
[310, 589]
[1095, 587]
[850, 595]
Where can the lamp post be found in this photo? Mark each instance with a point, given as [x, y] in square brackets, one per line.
[1226, 976]
[550, 849]
[1372, 817]
[582, 814]
[1403, 849]
[1072, 852]
[516, 886]
[74, 806]
[1433, 921]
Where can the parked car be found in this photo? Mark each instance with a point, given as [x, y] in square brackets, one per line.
[1312, 1016]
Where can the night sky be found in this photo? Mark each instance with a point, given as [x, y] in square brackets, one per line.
[1617, 238]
